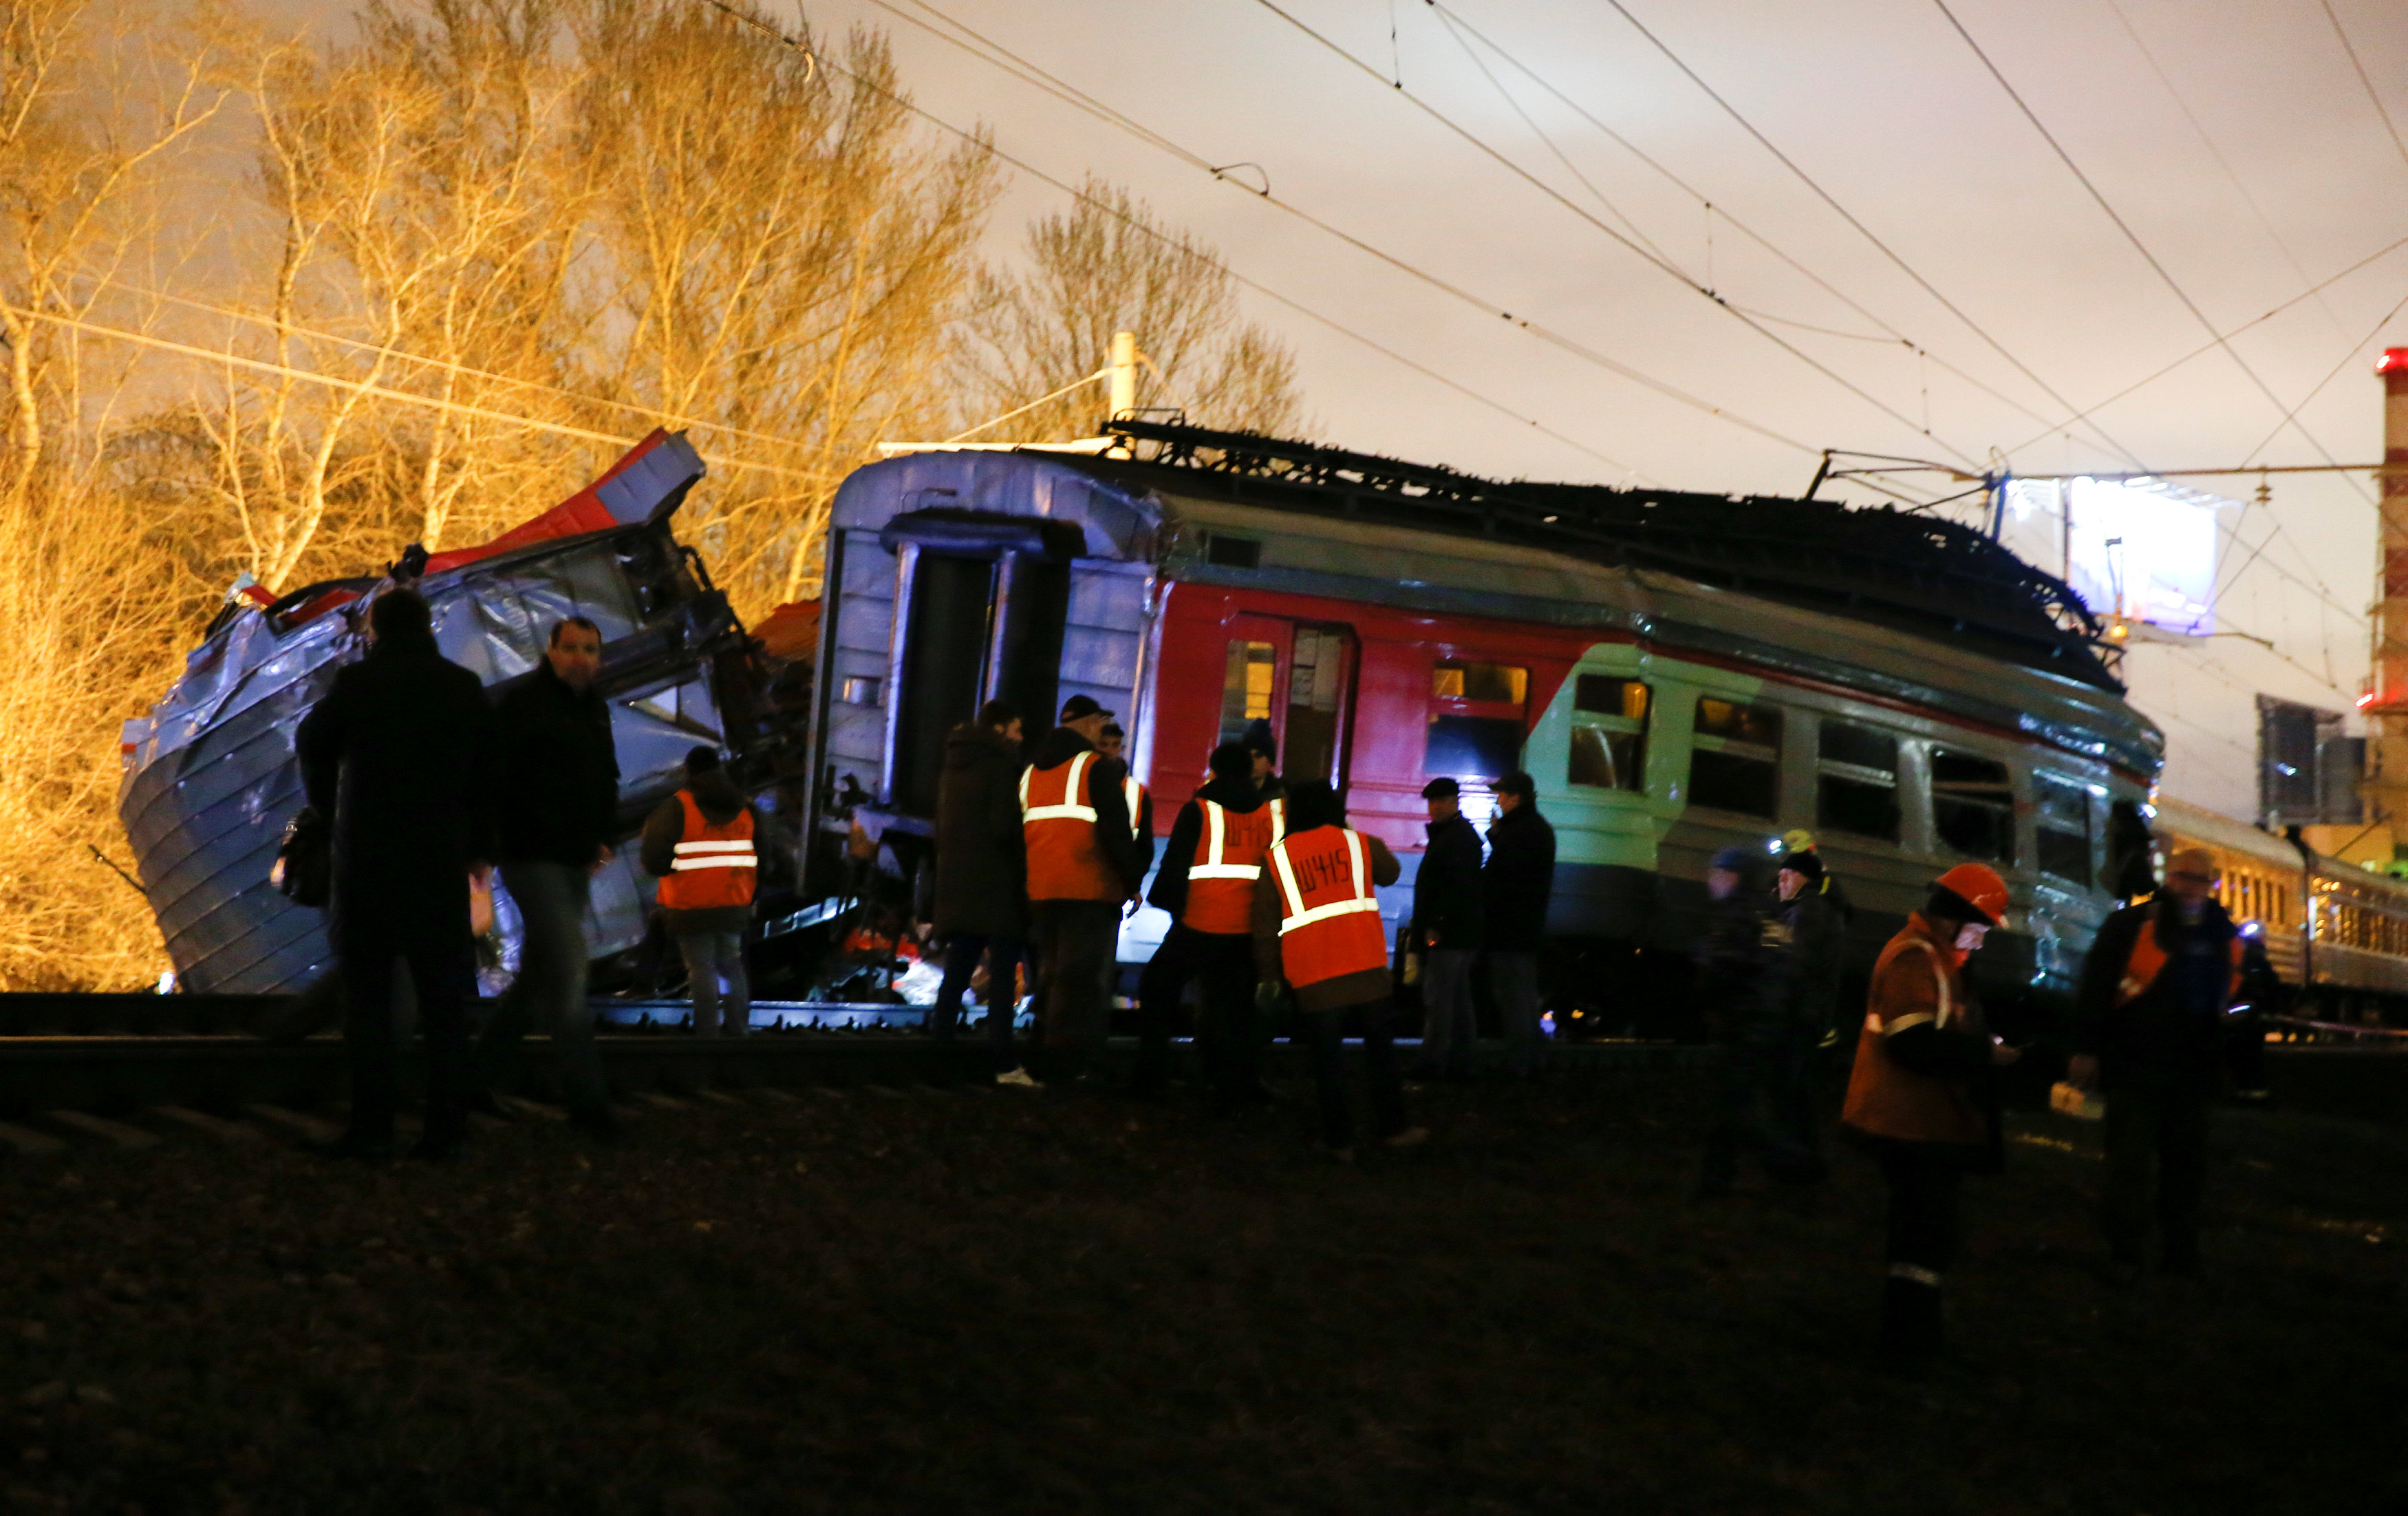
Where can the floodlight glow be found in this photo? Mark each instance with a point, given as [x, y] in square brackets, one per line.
[2141, 550]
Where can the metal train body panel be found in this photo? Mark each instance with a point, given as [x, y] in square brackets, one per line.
[211, 779]
[1384, 654]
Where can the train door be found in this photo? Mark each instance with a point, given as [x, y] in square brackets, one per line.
[1296, 678]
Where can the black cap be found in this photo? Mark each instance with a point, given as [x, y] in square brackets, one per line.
[1520, 786]
[1440, 789]
[1232, 761]
[1258, 737]
[1807, 864]
[700, 761]
[1078, 707]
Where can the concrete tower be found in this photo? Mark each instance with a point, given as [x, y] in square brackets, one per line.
[2386, 701]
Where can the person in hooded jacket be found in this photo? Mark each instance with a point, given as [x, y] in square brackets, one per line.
[699, 844]
[981, 906]
[1206, 885]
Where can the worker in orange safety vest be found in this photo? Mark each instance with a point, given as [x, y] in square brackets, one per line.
[699, 842]
[1083, 867]
[1206, 885]
[1922, 1096]
[1317, 930]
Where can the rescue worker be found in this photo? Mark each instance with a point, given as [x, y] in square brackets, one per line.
[1448, 923]
[1809, 1030]
[1206, 885]
[1798, 841]
[698, 843]
[1082, 868]
[1922, 1096]
[1317, 933]
[1742, 990]
[2148, 1030]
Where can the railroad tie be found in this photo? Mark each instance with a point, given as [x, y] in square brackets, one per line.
[207, 1124]
[777, 1097]
[115, 1133]
[533, 1107]
[293, 1121]
[663, 1102]
[26, 1141]
[721, 1097]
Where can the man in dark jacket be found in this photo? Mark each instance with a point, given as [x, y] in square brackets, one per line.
[559, 784]
[709, 937]
[397, 753]
[1743, 986]
[1113, 744]
[1816, 937]
[2148, 1028]
[981, 905]
[1449, 922]
[1515, 887]
[1075, 938]
[1214, 944]
[1264, 744]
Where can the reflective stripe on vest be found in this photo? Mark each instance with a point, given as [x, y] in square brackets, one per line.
[1057, 817]
[1073, 790]
[713, 866]
[1228, 863]
[1135, 793]
[1335, 937]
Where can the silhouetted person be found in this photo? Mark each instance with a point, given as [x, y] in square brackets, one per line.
[399, 753]
[1448, 922]
[982, 907]
[559, 784]
[1210, 868]
[1809, 1032]
[1742, 987]
[1113, 744]
[1264, 744]
[1515, 888]
[699, 844]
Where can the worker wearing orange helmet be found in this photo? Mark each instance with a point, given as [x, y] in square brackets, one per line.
[1919, 1097]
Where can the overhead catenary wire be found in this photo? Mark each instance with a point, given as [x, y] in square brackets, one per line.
[2365, 80]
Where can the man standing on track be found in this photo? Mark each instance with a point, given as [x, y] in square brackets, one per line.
[2148, 1028]
[1082, 868]
[983, 879]
[1516, 886]
[397, 754]
[559, 784]
[1316, 927]
[1448, 923]
[1207, 886]
[699, 844]
[1921, 1096]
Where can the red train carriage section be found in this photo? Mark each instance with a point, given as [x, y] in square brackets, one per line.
[1376, 701]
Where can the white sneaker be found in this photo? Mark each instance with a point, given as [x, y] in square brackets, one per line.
[1017, 1078]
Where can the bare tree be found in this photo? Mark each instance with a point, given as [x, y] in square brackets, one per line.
[1108, 265]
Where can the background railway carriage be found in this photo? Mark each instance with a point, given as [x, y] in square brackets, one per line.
[1680, 673]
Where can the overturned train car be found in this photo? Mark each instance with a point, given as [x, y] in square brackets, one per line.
[1680, 673]
[210, 777]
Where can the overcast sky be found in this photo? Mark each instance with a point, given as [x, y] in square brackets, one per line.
[2236, 141]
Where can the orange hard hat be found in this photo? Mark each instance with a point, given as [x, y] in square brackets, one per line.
[1978, 884]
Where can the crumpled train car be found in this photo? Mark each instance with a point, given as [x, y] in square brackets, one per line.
[211, 779]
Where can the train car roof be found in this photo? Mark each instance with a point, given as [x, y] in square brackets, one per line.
[1291, 538]
[2194, 823]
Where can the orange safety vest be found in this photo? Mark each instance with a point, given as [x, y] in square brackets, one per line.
[2148, 960]
[714, 865]
[1057, 820]
[1916, 981]
[1329, 919]
[1228, 863]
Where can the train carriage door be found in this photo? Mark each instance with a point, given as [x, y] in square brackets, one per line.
[1296, 678]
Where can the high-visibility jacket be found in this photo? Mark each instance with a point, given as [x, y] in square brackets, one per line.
[1228, 860]
[1329, 918]
[1916, 982]
[714, 864]
[2148, 960]
[1057, 820]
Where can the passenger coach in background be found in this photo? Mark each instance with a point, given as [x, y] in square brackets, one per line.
[1680, 673]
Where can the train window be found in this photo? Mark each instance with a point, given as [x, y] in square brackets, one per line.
[1609, 732]
[1246, 686]
[2064, 828]
[1855, 786]
[1735, 764]
[1972, 806]
[1475, 719]
[1316, 685]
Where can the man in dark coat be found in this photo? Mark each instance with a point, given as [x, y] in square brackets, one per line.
[399, 753]
[559, 784]
[981, 905]
[1075, 938]
[1809, 1032]
[1224, 960]
[2148, 1028]
[1449, 923]
[1743, 986]
[1515, 887]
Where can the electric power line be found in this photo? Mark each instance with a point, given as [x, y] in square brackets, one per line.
[2389, 124]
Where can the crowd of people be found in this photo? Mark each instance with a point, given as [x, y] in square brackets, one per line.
[1274, 911]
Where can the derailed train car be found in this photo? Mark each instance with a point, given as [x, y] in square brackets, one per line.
[210, 780]
[1680, 673]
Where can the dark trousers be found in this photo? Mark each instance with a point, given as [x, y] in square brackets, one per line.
[1004, 956]
[1328, 1029]
[435, 944]
[1748, 1114]
[2157, 1141]
[1075, 939]
[1924, 1181]
[1797, 1079]
[549, 990]
[1230, 1031]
